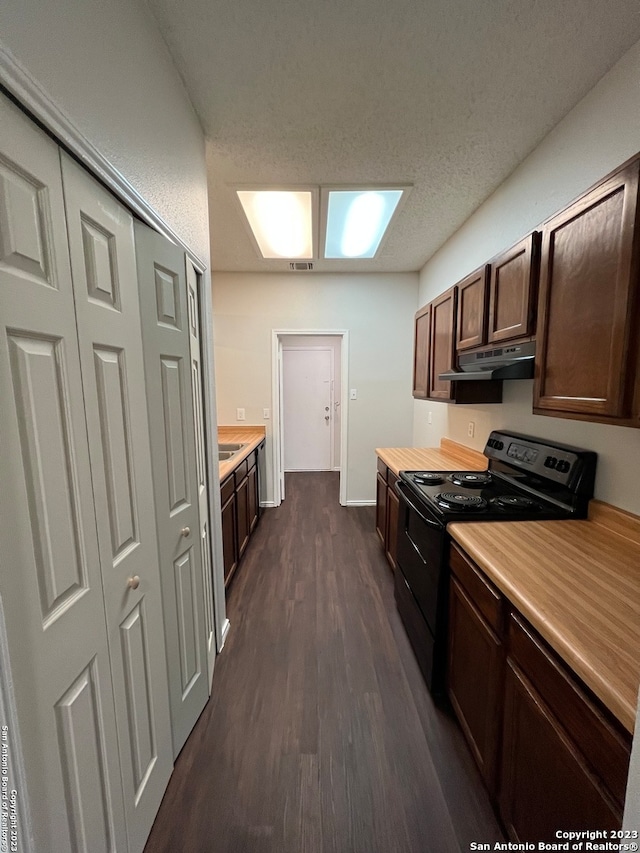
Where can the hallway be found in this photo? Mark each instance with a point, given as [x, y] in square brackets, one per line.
[320, 734]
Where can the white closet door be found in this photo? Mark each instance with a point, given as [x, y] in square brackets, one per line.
[163, 294]
[107, 306]
[50, 579]
[203, 493]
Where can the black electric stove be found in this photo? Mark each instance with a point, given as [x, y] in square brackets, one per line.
[527, 479]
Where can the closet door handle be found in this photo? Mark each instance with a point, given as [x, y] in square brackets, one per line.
[186, 531]
[134, 582]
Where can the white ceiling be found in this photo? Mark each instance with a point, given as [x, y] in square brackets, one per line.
[447, 95]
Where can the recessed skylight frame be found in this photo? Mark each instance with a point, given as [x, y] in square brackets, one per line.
[314, 194]
[325, 197]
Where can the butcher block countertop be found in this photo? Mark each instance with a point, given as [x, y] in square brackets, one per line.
[450, 456]
[578, 584]
[251, 436]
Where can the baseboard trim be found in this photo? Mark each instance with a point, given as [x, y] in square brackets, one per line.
[268, 504]
[360, 503]
[225, 632]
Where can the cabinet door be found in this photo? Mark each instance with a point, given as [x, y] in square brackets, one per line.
[512, 291]
[471, 326]
[545, 782]
[587, 311]
[381, 508]
[52, 603]
[229, 543]
[442, 344]
[178, 472]
[393, 513]
[105, 281]
[474, 680]
[242, 508]
[421, 353]
[252, 487]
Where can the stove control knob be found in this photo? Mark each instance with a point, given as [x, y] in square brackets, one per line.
[550, 462]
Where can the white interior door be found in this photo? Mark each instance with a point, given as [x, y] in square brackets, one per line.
[307, 375]
[108, 313]
[50, 581]
[201, 466]
[167, 354]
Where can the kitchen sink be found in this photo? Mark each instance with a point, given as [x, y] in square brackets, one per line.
[225, 454]
[232, 447]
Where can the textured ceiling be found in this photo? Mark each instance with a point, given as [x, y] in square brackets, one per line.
[446, 95]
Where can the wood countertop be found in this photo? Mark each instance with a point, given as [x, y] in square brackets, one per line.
[250, 436]
[578, 584]
[450, 456]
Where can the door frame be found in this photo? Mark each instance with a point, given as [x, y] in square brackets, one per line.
[277, 336]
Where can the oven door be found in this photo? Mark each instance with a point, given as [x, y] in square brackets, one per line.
[421, 584]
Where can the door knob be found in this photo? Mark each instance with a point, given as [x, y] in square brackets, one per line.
[326, 417]
[186, 531]
[134, 582]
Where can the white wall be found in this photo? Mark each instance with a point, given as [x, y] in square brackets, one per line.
[600, 133]
[106, 67]
[378, 312]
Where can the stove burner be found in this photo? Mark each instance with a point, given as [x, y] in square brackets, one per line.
[453, 500]
[428, 478]
[470, 479]
[515, 503]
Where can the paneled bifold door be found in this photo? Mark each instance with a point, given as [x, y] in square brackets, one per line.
[103, 267]
[77, 527]
[177, 472]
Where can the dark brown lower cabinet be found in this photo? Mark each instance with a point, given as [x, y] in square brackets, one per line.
[547, 783]
[387, 512]
[552, 756]
[229, 547]
[474, 681]
[240, 501]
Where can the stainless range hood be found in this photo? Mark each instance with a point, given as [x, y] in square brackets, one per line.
[511, 362]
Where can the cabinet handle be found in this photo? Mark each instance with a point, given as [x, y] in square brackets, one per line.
[134, 582]
[186, 531]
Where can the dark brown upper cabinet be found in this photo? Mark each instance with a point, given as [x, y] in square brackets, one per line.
[471, 326]
[513, 291]
[421, 353]
[434, 353]
[588, 308]
[442, 344]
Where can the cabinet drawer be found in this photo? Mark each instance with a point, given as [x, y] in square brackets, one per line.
[392, 478]
[382, 468]
[241, 472]
[482, 592]
[605, 746]
[226, 489]
[252, 459]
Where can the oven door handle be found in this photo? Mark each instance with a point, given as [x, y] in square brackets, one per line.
[402, 490]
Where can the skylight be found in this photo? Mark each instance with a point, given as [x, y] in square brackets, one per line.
[283, 222]
[357, 221]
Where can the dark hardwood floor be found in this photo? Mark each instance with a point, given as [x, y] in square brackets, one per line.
[320, 735]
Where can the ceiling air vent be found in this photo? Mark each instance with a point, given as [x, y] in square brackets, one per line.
[300, 266]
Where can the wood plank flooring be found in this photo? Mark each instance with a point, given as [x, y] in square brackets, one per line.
[320, 735]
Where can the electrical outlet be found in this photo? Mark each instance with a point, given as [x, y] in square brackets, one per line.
[471, 429]
[240, 414]
[353, 394]
[265, 414]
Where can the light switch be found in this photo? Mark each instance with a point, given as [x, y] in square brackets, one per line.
[353, 394]
[240, 414]
[265, 413]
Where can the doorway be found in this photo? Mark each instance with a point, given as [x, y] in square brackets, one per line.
[309, 404]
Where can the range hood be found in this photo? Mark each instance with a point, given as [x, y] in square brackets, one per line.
[510, 362]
